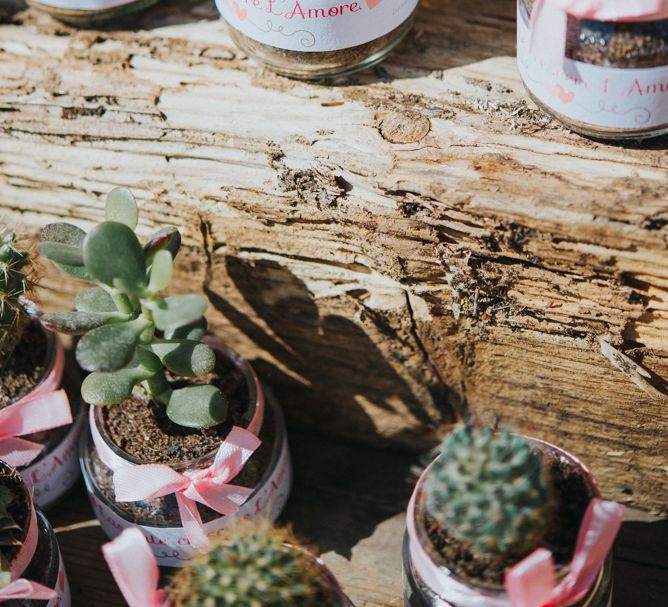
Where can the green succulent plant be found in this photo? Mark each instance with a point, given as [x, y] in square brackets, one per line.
[17, 271]
[251, 565]
[10, 533]
[130, 334]
[490, 490]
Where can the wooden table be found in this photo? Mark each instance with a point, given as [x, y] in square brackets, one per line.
[349, 500]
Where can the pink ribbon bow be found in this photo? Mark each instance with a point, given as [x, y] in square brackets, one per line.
[25, 589]
[209, 486]
[549, 19]
[532, 582]
[134, 568]
[44, 408]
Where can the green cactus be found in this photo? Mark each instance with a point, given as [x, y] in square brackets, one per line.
[250, 565]
[10, 533]
[490, 490]
[131, 335]
[17, 271]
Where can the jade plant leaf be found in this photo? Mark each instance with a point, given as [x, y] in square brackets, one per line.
[194, 330]
[189, 358]
[121, 206]
[64, 233]
[177, 311]
[166, 239]
[79, 322]
[62, 253]
[95, 300]
[197, 407]
[162, 269]
[110, 347]
[114, 257]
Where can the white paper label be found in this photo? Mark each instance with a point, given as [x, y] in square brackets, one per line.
[635, 99]
[62, 588]
[315, 25]
[85, 5]
[53, 475]
[170, 544]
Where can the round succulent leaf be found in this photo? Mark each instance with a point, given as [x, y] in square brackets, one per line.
[112, 254]
[121, 206]
[76, 323]
[178, 311]
[110, 347]
[110, 388]
[186, 357]
[161, 272]
[62, 253]
[167, 239]
[197, 407]
[64, 233]
[194, 331]
[79, 272]
[95, 299]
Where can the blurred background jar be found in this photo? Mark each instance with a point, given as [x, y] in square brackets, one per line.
[599, 68]
[90, 12]
[313, 39]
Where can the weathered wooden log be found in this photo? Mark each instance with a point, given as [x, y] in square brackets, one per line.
[392, 251]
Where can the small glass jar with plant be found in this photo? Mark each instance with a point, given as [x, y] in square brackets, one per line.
[180, 439]
[36, 430]
[31, 569]
[90, 12]
[504, 521]
[320, 38]
[249, 565]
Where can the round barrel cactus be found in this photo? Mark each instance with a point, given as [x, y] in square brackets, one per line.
[251, 565]
[490, 491]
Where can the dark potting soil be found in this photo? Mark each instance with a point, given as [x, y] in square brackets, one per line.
[164, 510]
[572, 500]
[25, 367]
[18, 509]
[141, 428]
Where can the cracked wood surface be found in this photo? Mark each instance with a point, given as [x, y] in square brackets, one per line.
[392, 250]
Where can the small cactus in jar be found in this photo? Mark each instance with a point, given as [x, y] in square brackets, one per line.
[490, 491]
[17, 271]
[250, 565]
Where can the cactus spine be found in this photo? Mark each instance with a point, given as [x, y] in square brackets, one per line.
[490, 491]
[16, 274]
[249, 566]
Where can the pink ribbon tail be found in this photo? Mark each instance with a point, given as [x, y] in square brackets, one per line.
[134, 568]
[19, 452]
[531, 583]
[25, 589]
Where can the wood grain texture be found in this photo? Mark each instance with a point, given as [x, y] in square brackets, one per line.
[393, 250]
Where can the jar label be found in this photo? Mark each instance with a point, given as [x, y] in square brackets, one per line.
[170, 544]
[62, 588]
[51, 475]
[85, 5]
[633, 99]
[315, 25]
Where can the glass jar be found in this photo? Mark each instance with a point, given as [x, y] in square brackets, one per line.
[464, 593]
[90, 12]
[318, 38]
[603, 76]
[268, 472]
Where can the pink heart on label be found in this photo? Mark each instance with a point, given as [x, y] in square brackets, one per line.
[242, 13]
[373, 3]
[564, 95]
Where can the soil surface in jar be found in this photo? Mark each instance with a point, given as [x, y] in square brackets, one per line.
[164, 510]
[572, 500]
[19, 509]
[25, 367]
[141, 428]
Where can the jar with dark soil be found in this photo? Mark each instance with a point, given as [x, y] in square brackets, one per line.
[321, 38]
[475, 580]
[42, 562]
[138, 432]
[90, 12]
[332, 593]
[603, 75]
[36, 371]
